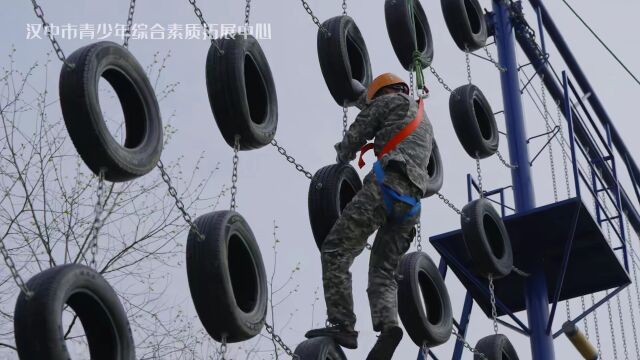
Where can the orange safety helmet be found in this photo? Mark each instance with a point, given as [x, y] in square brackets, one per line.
[383, 80]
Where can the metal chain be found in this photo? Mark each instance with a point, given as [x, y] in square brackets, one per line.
[564, 153]
[247, 12]
[411, 84]
[315, 19]
[567, 307]
[179, 204]
[223, 348]
[597, 329]
[495, 63]
[583, 305]
[292, 160]
[614, 344]
[205, 25]
[494, 312]
[622, 330]
[45, 25]
[97, 220]
[479, 171]
[345, 119]
[461, 339]
[449, 204]
[505, 162]
[545, 114]
[127, 33]
[419, 236]
[344, 7]
[14, 270]
[441, 81]
[234, 174]
[280, 342]
[635, 281]
[468, 61]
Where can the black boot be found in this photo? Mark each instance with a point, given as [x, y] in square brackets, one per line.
[344, 335]
[386, 345]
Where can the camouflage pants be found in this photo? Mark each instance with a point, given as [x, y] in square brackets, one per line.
[361, 217]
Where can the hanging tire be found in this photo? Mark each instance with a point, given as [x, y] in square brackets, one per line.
[487, 239]
[84, 120]
[466, 23]
[340, 183]
[473, 121]
[226, 276]
[241, 91]
[344, 60]
[421, 283]
[38, 324]
[495, 347]
[320, 348]
[403, 36]
[435, 172]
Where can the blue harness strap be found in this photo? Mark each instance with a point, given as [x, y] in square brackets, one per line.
[389, 195]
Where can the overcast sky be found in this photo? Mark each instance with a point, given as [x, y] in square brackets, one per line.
[310, 122]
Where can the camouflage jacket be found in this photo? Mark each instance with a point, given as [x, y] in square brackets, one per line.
[383, 118]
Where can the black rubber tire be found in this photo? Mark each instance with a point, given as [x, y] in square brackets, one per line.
[496, 347]
[435, 172]
[38, 321]
[487, 239]
[396, 13]
[344, 60]
[227, 278]
[339, 184]
[319, 348]
[419, 277]
[466, 23]
[474, 122]
[83, 117]
[241, 91]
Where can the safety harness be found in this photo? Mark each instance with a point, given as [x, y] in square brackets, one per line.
[389, 195]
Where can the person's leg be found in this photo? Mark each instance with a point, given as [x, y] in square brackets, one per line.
[346, 240]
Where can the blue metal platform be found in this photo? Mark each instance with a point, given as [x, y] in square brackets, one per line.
[544, 234]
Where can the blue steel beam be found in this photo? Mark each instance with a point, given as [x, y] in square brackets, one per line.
[536, 292]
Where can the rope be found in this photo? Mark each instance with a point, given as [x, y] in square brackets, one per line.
[417, 55]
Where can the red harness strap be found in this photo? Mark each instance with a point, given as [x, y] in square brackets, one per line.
[397, 138]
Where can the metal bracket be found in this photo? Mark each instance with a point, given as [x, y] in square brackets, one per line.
[555, 131]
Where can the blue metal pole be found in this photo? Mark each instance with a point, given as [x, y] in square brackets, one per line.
[536, 292]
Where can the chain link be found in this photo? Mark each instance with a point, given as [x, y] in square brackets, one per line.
[635, 281]
[205, 25]
[345, 120]
[461, 339]
[344, 7]
[449, 204]
[280, 342]
[622, 330]
[468, 61]
[505, 162]
[234, 175]
[14, 270]
[545, 114]
[247, 12]
[419, 236]
[411, 84]
[479, 172]
[292, 160]
[567, 308]
[494, 312]
[597, 329]
[583, 305]
[97, 220]
[47, 28]
[564, 153]
[223, 348]
[495, 63]
[441, 81]
[179, 204]
[315, 19]
[127, 32]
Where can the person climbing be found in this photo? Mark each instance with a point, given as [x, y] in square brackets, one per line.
[389, 202]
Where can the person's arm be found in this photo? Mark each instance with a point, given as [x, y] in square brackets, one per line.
[367, 124]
